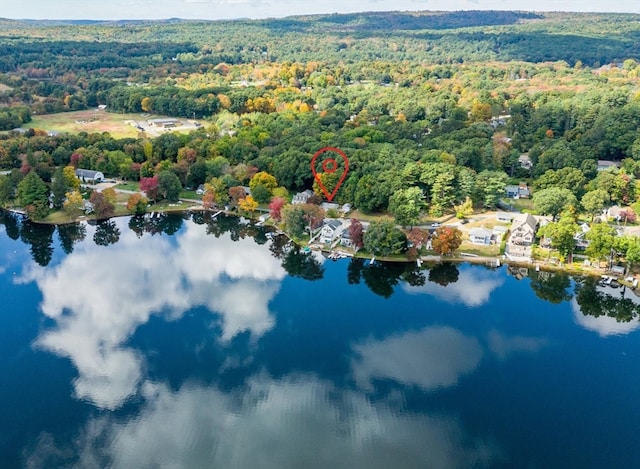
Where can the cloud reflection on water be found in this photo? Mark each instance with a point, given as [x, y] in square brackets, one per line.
[603, 325]
[431, 358]
[295, 422]
[473, 287]
[99, 297]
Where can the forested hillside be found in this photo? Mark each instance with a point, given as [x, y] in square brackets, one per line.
[435, 106]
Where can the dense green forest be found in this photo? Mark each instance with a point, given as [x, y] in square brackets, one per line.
[435, 110]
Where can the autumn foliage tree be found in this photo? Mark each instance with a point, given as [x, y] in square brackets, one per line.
[73, 201]
[101, 206]
[237, 193]
[248, 204]
[209, 199]
[137, 204]
[356, 233]
[275, 208]
[150, 187]
[446, 239]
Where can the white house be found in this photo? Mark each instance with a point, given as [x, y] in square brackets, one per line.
[302, 197]
[523, 234]
[88, 175]
[330, 231]
[345, 239]
[200, 189]
[505, 217]
[480, 236]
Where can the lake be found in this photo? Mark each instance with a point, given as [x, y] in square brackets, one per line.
[186, 341]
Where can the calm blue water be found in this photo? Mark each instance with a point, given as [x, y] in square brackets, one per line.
[196, 343]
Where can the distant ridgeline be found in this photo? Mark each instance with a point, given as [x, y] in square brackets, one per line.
[432, 37]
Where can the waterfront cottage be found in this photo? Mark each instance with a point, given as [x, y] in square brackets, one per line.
[523, 234]
[480, 236]
[330, 231]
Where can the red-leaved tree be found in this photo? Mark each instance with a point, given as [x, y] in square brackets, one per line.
[446, 239]
[356, 233]
[150, 187]
[275, 208]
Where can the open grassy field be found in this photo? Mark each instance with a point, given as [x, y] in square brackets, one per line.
[89, 121]
[118, 125]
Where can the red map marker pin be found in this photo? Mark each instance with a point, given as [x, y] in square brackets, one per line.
[330, 165]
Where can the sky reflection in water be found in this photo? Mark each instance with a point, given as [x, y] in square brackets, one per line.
[197, 350]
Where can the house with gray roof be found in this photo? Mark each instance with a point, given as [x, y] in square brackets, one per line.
[330, 231]
[523, 234]
[480, 236]
[302, 197]
[89, 175]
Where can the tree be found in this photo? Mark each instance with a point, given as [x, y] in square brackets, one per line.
[150, 187]
[101, 206]
[275, 208]
[356, 233]
[628, 216]
[58, 188]
[217, 190]
[446, 239]
[32, 189]
[601, 240]
[562, 235]
[418, 237]
[594, 201]
[465, 209]
[261, 194]
[169, 186]
[73, 201]
[71, 180]
[137, 204]
[491, 185]
[405, 205]
[110, 194]
[33, 195]
[382, 238]
[553, 200]
[632, 254]
[293, 218]
[313, 216]
[237, 194]
[567, 178]
[263, 179]
[442, 193]
[248, 204]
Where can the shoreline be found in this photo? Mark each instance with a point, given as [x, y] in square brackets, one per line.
[489, 261]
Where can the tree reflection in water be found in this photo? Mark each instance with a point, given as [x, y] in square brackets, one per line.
[593, 298]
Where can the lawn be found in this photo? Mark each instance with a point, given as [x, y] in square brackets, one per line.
[479, 250]
[190, 195]
[90, 121]
[128, 186]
